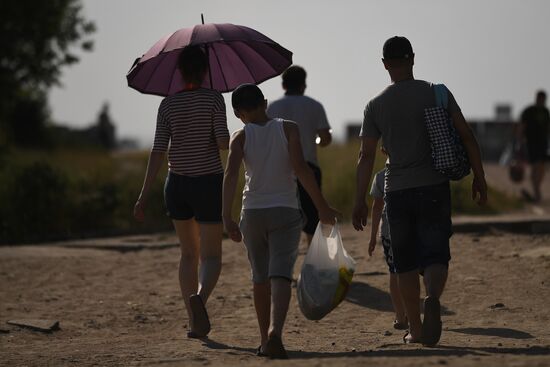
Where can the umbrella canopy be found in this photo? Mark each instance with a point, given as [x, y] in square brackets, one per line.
[236, 55]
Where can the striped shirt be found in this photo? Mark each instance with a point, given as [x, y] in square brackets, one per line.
[188, 125]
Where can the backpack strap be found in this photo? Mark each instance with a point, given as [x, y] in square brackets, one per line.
[441, 95]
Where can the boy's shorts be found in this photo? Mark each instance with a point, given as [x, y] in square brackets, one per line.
[271, 237]
[310, 211]
[199, 197]
[388, 254]
[420, 226]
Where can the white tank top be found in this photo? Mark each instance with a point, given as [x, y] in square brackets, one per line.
[269, 177]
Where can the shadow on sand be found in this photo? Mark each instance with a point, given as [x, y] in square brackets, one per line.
[494, 331]
[212, 344]
[439, 351]
[364, 295]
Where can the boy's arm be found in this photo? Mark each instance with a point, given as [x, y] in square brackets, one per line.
[230, 178]
[367, 153]
[479, 186]
[377, 207]
[222, 143]
[327, 215]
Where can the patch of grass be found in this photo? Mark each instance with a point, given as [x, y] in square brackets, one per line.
[85, 192]
[338, 163]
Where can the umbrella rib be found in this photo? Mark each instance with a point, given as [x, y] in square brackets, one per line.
[156, 67]
[171, 79]
[219, 65]
[245, 65]
[208, 61]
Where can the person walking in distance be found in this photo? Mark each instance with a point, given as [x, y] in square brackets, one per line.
[417, 196]
[533, 130]
[313, 124]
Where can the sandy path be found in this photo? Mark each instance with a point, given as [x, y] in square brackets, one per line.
[124, 309]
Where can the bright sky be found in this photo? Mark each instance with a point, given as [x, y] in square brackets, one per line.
[487, 52]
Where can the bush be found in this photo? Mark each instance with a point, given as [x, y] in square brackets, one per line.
[35, 203]
[84, 193]
[43, 202]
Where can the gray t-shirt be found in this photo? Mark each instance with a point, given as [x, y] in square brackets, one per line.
[377, 192]
[308, 114]
[397, 115]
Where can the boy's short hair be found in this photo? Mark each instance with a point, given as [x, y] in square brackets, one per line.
[192, 62]
[247, 97]
[294, 77]
[396, 48]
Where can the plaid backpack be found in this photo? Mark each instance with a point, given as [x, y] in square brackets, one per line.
[448, 154]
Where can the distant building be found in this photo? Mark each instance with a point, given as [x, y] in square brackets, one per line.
[493, 135]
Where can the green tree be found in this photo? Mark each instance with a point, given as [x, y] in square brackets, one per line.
[37, 38]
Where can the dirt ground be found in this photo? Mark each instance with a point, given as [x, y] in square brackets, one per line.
[124, 308]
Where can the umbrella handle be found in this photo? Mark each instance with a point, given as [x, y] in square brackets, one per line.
[202, 18]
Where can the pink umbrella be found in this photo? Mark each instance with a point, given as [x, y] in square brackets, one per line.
[236, 55]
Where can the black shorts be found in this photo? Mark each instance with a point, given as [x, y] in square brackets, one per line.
[308, 208]
[420, 226]
[537, 150]
[194, 197]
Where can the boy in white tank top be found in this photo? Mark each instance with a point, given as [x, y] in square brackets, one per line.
[271, 221]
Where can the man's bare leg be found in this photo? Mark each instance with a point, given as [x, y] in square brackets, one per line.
[435, 277]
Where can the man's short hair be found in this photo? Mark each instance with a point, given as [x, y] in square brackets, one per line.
[294, 77]
[247, 97]
[541, 94]
[397, 47]
[192, 62]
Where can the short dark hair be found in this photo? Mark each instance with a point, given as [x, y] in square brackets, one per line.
[294, 77]
[397, 47]
[192, 63]
[541, 94]
[247, 97]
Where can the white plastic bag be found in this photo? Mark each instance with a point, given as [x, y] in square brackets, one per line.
[325, 276]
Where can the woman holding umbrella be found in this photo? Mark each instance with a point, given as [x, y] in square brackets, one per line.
[192, 128]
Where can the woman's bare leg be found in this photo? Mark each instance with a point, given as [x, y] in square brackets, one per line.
[210, 258]
[188, 234]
